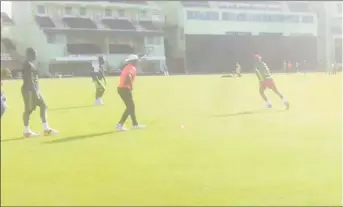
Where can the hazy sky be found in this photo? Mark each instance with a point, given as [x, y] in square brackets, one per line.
[6, 7]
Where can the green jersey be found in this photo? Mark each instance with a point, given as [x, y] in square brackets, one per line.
[262, 71]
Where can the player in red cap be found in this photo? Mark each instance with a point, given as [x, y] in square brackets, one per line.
[266, 81]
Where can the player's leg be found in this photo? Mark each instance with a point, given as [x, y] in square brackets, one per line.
[100, 90]
[30, 106]
[282, 97]
[263, 95]
[127, 98]
[132, 111]
[126, 113]
[44, 117]
[3, 108]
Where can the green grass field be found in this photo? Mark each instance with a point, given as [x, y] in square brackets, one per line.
[231, 150]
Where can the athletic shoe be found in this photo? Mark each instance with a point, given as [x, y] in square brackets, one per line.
[139, 126]
[99, 102]
[50, 131]
[121, 128]
[5, 105]
[268, 106]
[30, 134]
[287, 105]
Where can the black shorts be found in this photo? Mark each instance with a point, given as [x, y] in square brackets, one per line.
[32, 100]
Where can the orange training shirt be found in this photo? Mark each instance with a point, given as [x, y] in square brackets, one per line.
[125, 80]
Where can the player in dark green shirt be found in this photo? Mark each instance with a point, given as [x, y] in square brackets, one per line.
[32, 95]
[266, 81]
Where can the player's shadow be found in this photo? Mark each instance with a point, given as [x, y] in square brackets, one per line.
[78, 137]
[247, 113]
[72, 107]
[13, 139]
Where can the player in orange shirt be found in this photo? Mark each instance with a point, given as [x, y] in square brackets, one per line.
[127, 77]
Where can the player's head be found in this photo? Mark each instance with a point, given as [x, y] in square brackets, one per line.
[30, 54]
[132, 59]
[257, 58]
[101, 60]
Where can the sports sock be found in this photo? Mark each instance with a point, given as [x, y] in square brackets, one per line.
[46, 126]
[27, 129]
[284, 100]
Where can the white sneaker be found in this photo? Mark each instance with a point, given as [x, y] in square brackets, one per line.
[139, 126]
[268, 106]
[121, 127]
[99, 102]
[50, 131]
[30, 134]
[5, 105]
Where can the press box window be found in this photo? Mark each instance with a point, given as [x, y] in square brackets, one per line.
[83, 11]
[307, 19]
[41, 9]
[68, 10]
[108, 12]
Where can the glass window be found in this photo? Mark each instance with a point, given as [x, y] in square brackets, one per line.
[241, 17]
[257, 17]
[266, 18]
[143, 13]
[213, 15]
[150, 40]
[121, 13]
[307, 19]
[83, 11]
[197, 15]
[276, 18]
[157, 40]
[291, 19]
[108, 12]
[190, 15]
[41, 9]
[68, 10]
[51, 38]
[229, 16]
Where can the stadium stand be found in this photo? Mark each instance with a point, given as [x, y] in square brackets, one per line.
[45, 22]
[5, 19]
[148, 25]
[120, 24]
[79, 23]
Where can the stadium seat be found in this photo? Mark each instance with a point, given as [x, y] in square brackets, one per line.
[79, 23]
[5, 18]
[148, 25]
[120, 24]
[8, 44]
[45, 22]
